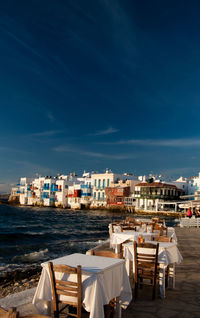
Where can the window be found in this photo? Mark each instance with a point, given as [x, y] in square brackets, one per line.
[108, 182]
[99, 183]
[104, 183]
[103, 195]
[98, 195]
[95, 182]
[95, 195]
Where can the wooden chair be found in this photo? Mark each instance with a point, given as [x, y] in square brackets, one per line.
[106, 253]
[162, 230]
[130, 219]
[162, 239]
[128, 228]
[146, 266]
[68, 288]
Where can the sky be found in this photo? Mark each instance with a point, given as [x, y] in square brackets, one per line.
[90, 85]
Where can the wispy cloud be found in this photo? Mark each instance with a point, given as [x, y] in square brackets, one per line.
[184, 142]
[47, 133]
[69, 149]
[108, 131]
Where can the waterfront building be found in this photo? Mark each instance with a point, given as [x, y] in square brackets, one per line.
[74, 196]
[48, 191]
[101, 181]
[79, 195]
[15, 194]
[117, 192]
[25, 191]
[154, 195]
[60, 192]
[116, 195]
[186, 184]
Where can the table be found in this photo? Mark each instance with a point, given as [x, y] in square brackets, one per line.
[168, 254]
[103, 278]
[118, 238]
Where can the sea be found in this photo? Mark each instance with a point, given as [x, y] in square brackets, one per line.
[32, 235]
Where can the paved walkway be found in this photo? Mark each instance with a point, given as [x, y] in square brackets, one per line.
[184, 301]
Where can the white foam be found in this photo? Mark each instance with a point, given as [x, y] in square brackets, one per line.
[34, 256]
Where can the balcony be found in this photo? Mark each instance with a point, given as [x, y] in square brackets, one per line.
[99, 188]
[156, 196]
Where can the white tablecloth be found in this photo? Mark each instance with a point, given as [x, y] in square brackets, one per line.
[118, 238]
[168, 254]
[172, 234]
[103, 278]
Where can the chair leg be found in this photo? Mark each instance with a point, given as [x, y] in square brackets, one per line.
[141, 281]
[167, 276]
[154, 292]
[136, 291]
[56, 314]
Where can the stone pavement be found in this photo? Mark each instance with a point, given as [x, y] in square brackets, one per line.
[183, 301]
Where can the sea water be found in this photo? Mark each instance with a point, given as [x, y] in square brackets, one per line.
[32, 235]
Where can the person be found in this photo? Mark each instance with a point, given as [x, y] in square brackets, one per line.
[198, 214]
[189, 213]
[194, 212]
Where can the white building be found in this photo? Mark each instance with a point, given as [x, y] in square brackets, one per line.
[100, 181]
[61, 190]
[80, 193]
[185, 184]
[25, 191]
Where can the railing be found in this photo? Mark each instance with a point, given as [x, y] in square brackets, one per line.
[190, 222]
[156, 196]
[99, 188]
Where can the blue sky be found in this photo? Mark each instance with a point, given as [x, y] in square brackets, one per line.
[99, 84]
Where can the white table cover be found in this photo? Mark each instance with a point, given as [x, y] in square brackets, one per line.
[103, 278]
[168, 254]
[172, 234]
[118, 238]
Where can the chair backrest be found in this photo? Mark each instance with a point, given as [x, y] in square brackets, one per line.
[148, 256]
[162, 239]
[162, 229]
[130, 219]
[67, 286]
[106, 253]
[128, 228]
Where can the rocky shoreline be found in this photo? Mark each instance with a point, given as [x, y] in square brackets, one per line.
[19, 280]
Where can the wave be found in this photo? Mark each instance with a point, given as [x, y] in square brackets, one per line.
[31, 257]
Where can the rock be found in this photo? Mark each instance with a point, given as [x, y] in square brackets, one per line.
[32, 280]
[24, 280]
